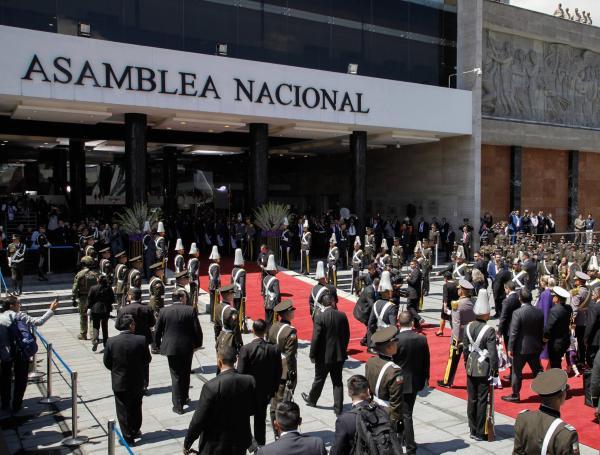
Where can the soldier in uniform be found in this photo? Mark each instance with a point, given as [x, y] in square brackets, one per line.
[481, 364]
[305, 245]
[343, 244]
[43, 245]
[156, 290]
[318, 291]
[462, 314]
[383, 259]
[89, 249]
[369, 244]
[180, 293]
[160, 243]
[271, 290]
[385, 377]
[543, 431]
[426, 266]
[149, 250]
[238, 280]
[105, 265]
[519, 276]
[384, 312]
[193, 269]
[226, 326]
[332, 260]
[120, 279]
[284, 336]
[397, 254]
[214, 281]
[82, 283]
[357, 264]
[16, 261]
[261, 260]
[285, 245]
[134, 275]
[547, 267]
[179, 261]
[581, 298]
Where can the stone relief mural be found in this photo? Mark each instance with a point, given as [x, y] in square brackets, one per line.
[534, 80]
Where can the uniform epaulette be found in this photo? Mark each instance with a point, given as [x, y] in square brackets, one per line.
[570, 427]
[523, 411]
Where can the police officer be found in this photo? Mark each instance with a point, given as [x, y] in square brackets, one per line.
[271, 290]
[193, 269]
[543, 431]
[82, 283]
[120, 278]
[238, 280]
[385, 377]
[16, 262]
[384, 312]
[179, 261]
[332, 261]
[105, 265]
[214, 281]
[462, 314]
[284, 336]
[156, 289]
[305, 245]
[43, 245]
[318, 290]
[285, 245]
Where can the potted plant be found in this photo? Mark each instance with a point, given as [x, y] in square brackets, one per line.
[269, 218]
[132, 222]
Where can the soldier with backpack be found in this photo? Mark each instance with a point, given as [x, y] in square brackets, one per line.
[82, 283]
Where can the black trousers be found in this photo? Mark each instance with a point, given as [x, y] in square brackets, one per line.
[321, 372]
[477, 389]
[591, 355]
[42, 252]
[99, 320]
[581, 347]
[16, 274]
[129, 412]
[412, 307]
[260, 416]
[519, 361]
[408, 404]
[555, 357]
[180, 367]
[269, 316]
[21, 369]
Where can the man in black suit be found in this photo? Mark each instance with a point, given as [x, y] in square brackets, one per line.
[530, 266]
[414, 282]
[262, 361]
[177, 335]
[364, 304]
[345, 425]
[592, 329]
[509, 305]
[525, 342]
[292, 442]
[557, 333]
[125, 355]
[331, 334]
[413, 358]
[503, 276]
[144, 321]
[222, 419]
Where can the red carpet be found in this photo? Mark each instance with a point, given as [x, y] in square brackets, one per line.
[573, 412]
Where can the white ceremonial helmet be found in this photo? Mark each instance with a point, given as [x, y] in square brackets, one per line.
[482, 305]
[357, 241]
[460, 252]
[239, 257]
[384, 244]
[214, 254]
[418, 246]
[285, 221]
[179, 245]
[320, 273]
[593, 264]
[193, 248]
[161, 227]
[305, 224]
[146, 226]
[385, 283]
[271, 266]
[332, 239]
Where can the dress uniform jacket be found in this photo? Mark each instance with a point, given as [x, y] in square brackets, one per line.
[315, 297]
[193, 269]
[383, 314]
[333, 256]
[295, 443]
[157, 293]
[214, 277]
[272, 293]
[488, 366]
[180, 295]
[462, 314]
[531, 428]
[106, 269]
[228, 330]
[580, 302]
[222, 419]
[179, 263]
[397, 256]
[284, 336]
[306, 241]
[120, 276]
[238, 279]
[391, 385]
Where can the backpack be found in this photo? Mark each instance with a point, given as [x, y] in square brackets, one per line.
[374, 432]
[86, 281]
[25, 342]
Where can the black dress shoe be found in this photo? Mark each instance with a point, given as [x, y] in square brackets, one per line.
[476, 437]
[511, 398]
[178, 410]
[307, 400]
[138, 435]
[443, 384]
[146, 392]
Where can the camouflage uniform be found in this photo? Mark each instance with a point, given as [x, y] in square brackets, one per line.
[83, 281]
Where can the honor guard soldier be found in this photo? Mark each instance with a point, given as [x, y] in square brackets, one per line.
[82, 242]
[285, 245]
[481, 363]
[105, 265]
[227, 329]
[271, 287]
[385, 311]
[343, 244]
[149, 250]
[120, 279]
[162, 249]
[180, 293]
[332, 261]
[459, 271]
[385, 377]
[318, 291]
[283, 335]
[462, 314]
[519, 276]
[156, 289]
[383, 258]
[426, 267]
[305, 245]
[179, 261]
[238, 280]
[134, 276]
[193, 269]
[369, 244]
[544, 431]
[357, 265]
[580, 301]
[82, 283]
[43, 245]
[263, 258]
[16, 261]
[547, 267]
[214, 281]
[89, 249]
[397, 254]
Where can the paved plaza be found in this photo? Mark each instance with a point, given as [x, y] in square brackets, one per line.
[440, 419]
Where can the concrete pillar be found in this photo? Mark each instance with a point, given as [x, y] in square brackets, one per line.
[77, 177]
[358, 149]
[573, 197]
[259, 163]
[135, 159]
[169, 180]
[31, 175]
[516, 159]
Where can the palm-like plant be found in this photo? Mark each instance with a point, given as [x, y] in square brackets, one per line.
[132, 219]
[270, 216]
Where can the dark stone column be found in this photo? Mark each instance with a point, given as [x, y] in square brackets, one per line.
[358, 149]
[573, 197]
[77, 178]
[135, 158]
[516, 156]
[31, 176]
[169, 180]
[59, 171]
[259, 163]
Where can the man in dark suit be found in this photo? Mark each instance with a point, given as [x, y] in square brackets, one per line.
[222, 419]
[144, 321]
[125, 355]
[592, 329]
[503, 276]
[292, 442]
[364, 304]
[557, 333]
[509, 305]
[422, 229]
[525, 342]
[412, 357]
[177, 335]
[414, 282]
[345, 425]
[262, 361]
[331, 334]
[530, 266]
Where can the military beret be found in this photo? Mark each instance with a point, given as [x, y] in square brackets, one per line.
[135, 259]
[156, 265]
[104, 250]
[181, 274]
[550, 382]
[582, 276]
[120, 253]
[123, 321]
[87, 260]
[384, 335]
[561, 292]
[226, 289]
[285, 305]
[465, 284]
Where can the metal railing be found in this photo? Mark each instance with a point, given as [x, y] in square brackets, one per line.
[112, 431]
[3, 284]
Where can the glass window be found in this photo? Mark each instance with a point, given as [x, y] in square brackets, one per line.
[33, 14]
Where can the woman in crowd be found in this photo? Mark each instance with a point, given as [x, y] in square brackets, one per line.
[100, 303]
